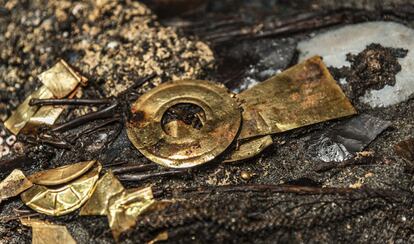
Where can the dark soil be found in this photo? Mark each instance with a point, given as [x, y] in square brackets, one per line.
[372, 199]
[373, 68]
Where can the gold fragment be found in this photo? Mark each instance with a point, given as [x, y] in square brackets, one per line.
[302, 95]
[107, 187]
[125, 208]
[13, 185]
[178, 128]
[45, 232]
[222, 113]
[61, 174]
[249, 148]
[61, 79]
[245, 175]
[63, 200]
[24, 111]
[163, 236]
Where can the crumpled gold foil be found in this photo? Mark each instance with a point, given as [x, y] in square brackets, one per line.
[62, 200]
[62, 174]
[125, 208]
[13, 185]
[24, 111]
[44, 232]
[107, 187]
[302, 95]
[61, 79]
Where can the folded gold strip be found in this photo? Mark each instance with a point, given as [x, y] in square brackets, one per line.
[303, 95]
[61, 175]
[63, 200]
[125, 208]
[45, 232]
[249, 148]
[107, 187]
[24, 111]
[61, 79]
[13, 185]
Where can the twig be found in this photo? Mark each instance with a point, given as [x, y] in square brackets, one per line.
[141, 177]
[274, 189]
[66, 101]
[99, 126]
[134, 168]
[102, 114]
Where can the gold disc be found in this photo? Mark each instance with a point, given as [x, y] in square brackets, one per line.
[221, 123]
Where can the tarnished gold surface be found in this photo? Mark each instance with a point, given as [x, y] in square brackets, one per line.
[302, 95]
[222, 123]
[125, 208]
[62, 200]
[107, 187]
[249, 148]
[45, 232]
[60, 79]
[13, 185]
[62, 174]
[24, 111]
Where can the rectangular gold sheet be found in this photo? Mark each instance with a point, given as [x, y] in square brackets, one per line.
[60, 79]
[24, 111]
[302, 95]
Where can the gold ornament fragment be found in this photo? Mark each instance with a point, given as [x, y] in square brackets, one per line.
[249, 148]
[61, 175]
[107, 187]
[13, 185]
[64, 199]
[24, 111]
[125, 208]
[221, 124]
[45, 232]
[302, 95]
[59, 81]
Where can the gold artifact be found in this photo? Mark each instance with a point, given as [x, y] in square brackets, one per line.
[303, 95]
[124, 209]
[62, 174]
[13, 185]
[45, 232]
[59, 81]
[64, 199]
[222, 122]
[107, 187]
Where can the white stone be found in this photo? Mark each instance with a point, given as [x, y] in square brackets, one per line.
[334, 45]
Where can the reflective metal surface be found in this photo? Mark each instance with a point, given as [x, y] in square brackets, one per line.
[62, 200]
[62, 174]
[220, 128]
[302, 95]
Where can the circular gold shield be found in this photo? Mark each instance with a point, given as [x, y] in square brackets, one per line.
[221, 123]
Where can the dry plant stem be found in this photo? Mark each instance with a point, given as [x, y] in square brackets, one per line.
[299, 23]
[66, 101]
[134, 168]
[102, 114]
[141, 177]
[284, 189]
[95, 128]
